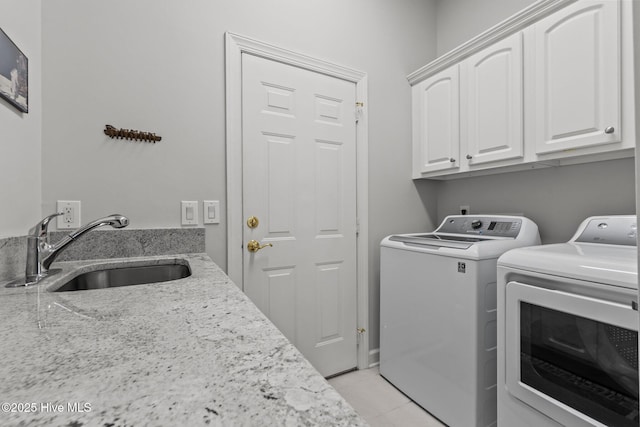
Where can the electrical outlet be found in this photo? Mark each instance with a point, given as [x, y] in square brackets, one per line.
[67, 215]
[70, 217]
[465, 210]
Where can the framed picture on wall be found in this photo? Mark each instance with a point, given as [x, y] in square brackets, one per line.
[14, 74]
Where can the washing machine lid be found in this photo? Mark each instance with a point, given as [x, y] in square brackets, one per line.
[601, 251]
[437, 240]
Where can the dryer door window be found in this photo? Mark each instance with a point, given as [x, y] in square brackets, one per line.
[567, 356]
[591, 366]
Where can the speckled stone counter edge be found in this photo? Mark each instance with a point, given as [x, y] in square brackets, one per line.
[13, 257]
[102, 244]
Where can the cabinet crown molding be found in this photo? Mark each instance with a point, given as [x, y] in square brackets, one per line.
[513, 24]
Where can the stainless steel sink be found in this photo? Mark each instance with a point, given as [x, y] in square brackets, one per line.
[126, 276]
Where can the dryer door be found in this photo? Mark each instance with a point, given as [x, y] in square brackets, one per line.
[572, 357]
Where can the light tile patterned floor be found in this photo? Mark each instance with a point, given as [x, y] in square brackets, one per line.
[380, 403]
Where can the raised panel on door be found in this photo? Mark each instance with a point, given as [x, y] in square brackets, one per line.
[328, 185]
[577, 77]
[494, 102]
[437, 122]
[280, 185]
[278, 299]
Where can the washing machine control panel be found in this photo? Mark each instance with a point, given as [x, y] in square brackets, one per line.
[502, 226]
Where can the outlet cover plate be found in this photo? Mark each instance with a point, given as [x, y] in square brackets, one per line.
[71, 214]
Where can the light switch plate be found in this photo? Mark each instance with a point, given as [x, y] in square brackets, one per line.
[70, 217]
[211, 212]
[189, 213]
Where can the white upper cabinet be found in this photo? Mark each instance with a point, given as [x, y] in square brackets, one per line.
[436, 123]
[553, 85]
[470, 114]
[493, 100]
[577, 77]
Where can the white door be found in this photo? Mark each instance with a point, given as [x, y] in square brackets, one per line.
[436, 123]
[299, 181]
[577, 77]
[494, 102]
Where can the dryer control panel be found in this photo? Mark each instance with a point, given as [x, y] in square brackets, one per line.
[611, 230]
[496, 226]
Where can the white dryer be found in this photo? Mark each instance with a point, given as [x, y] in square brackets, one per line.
[568, 329]
[438, 313]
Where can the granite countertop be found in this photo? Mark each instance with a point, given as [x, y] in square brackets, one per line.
[190, 352]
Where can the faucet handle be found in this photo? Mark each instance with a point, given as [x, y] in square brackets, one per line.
[40, 229]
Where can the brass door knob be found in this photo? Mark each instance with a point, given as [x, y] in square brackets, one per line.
[254, 246]
[252, 222]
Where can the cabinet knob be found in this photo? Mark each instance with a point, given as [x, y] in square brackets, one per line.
[469, 157]
[609, 129]
[452, 160]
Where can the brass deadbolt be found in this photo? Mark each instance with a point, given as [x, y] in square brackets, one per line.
[253, 222]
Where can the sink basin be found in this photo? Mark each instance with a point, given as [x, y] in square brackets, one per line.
[126, 276]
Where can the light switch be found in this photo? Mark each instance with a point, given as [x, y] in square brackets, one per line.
[189, 213]
[211, 212]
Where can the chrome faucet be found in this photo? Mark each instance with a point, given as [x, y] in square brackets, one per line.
[40, 253]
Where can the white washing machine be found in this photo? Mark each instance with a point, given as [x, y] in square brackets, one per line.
[568, 329]
[438, 313]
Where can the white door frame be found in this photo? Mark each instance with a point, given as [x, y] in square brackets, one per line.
[235, 46]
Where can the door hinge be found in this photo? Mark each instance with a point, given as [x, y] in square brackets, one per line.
[358, 112]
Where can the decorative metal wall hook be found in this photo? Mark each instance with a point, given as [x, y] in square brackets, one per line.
[112, 132]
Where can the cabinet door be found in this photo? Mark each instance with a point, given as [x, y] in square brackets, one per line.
[436, 123]
[577, 77]
[494, 103]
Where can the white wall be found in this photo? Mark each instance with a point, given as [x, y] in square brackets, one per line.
[461, 20]
[558, 199]
[20, 191]
[159, 67]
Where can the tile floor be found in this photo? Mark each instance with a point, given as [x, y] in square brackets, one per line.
[380, 403]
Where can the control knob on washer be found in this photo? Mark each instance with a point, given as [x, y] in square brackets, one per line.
[476, 223]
